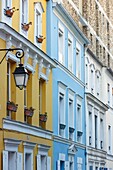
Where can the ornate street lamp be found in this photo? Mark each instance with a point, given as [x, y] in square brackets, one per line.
[20, 73]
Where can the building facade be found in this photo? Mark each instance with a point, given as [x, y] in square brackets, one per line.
[94, 18]
[66, 46]
[25, 115]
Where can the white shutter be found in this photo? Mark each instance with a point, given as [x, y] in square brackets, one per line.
[5, 160]
[58, 165]
[38, 162]
[66, 165]
[48, 163]
[19, 161]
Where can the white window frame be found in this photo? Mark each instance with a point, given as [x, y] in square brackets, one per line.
[92, 77]
[26, 14]
[8, 87]
[61, 119]
[4, 18]
[97, 85]
[90, 126]
[70, 52]
[79, 163]
[28, 149]
[79, 117]
[71, 101]
[38, 26]
[11, 147]
[101, 133]
[43, 152]
[61, 45]
[78, 59]
[71, 160]
[108, 93]
[109, 139]
[87, 72]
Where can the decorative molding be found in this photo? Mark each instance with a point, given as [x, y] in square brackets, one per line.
[17, 39]
[92, 100]
[43, 149]
[68, 142]
[61, 156]
[9, 41]
[70, 74]
[26, 56]
[29, 145]
[72, 149]
[11, 144]
[35, 61]
[48, 70]
[12, 57]
[25, 128]
[40, 67]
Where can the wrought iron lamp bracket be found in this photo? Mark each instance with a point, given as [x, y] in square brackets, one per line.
[19, 54]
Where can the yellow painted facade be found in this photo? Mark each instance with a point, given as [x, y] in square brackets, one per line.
[34, 132]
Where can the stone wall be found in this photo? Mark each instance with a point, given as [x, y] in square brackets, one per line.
[99, 16]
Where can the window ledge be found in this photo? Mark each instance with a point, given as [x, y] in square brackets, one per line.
[25, 128]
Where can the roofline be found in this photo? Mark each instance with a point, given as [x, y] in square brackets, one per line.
[60, 7]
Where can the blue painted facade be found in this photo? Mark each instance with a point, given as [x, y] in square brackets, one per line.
[68, 153]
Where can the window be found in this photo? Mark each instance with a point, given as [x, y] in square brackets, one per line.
[43, 160]
[90, 167]
[108, 93]
[62, 165]
[70, 53]
[90, 127]
[61, 106]
[12, 159]
[71, 162]
[86, 79]
[24, 11]
[91, 37]
[78, 60]
[87, 72]
[8, 86]
[7, 4]
[92, 77]
[109, 139]
[79, 163]
[95, 123]
[28, 160]
[38, 21]
[97, 83]
[79, 120]
[23, 15]
[28, 155]
[25, 102]
[42, 100]
[71, 114]
[81, 6]
[101, 133]
[61, 44]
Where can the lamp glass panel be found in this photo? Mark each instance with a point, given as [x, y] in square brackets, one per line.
[26, 79]
[19, 79]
